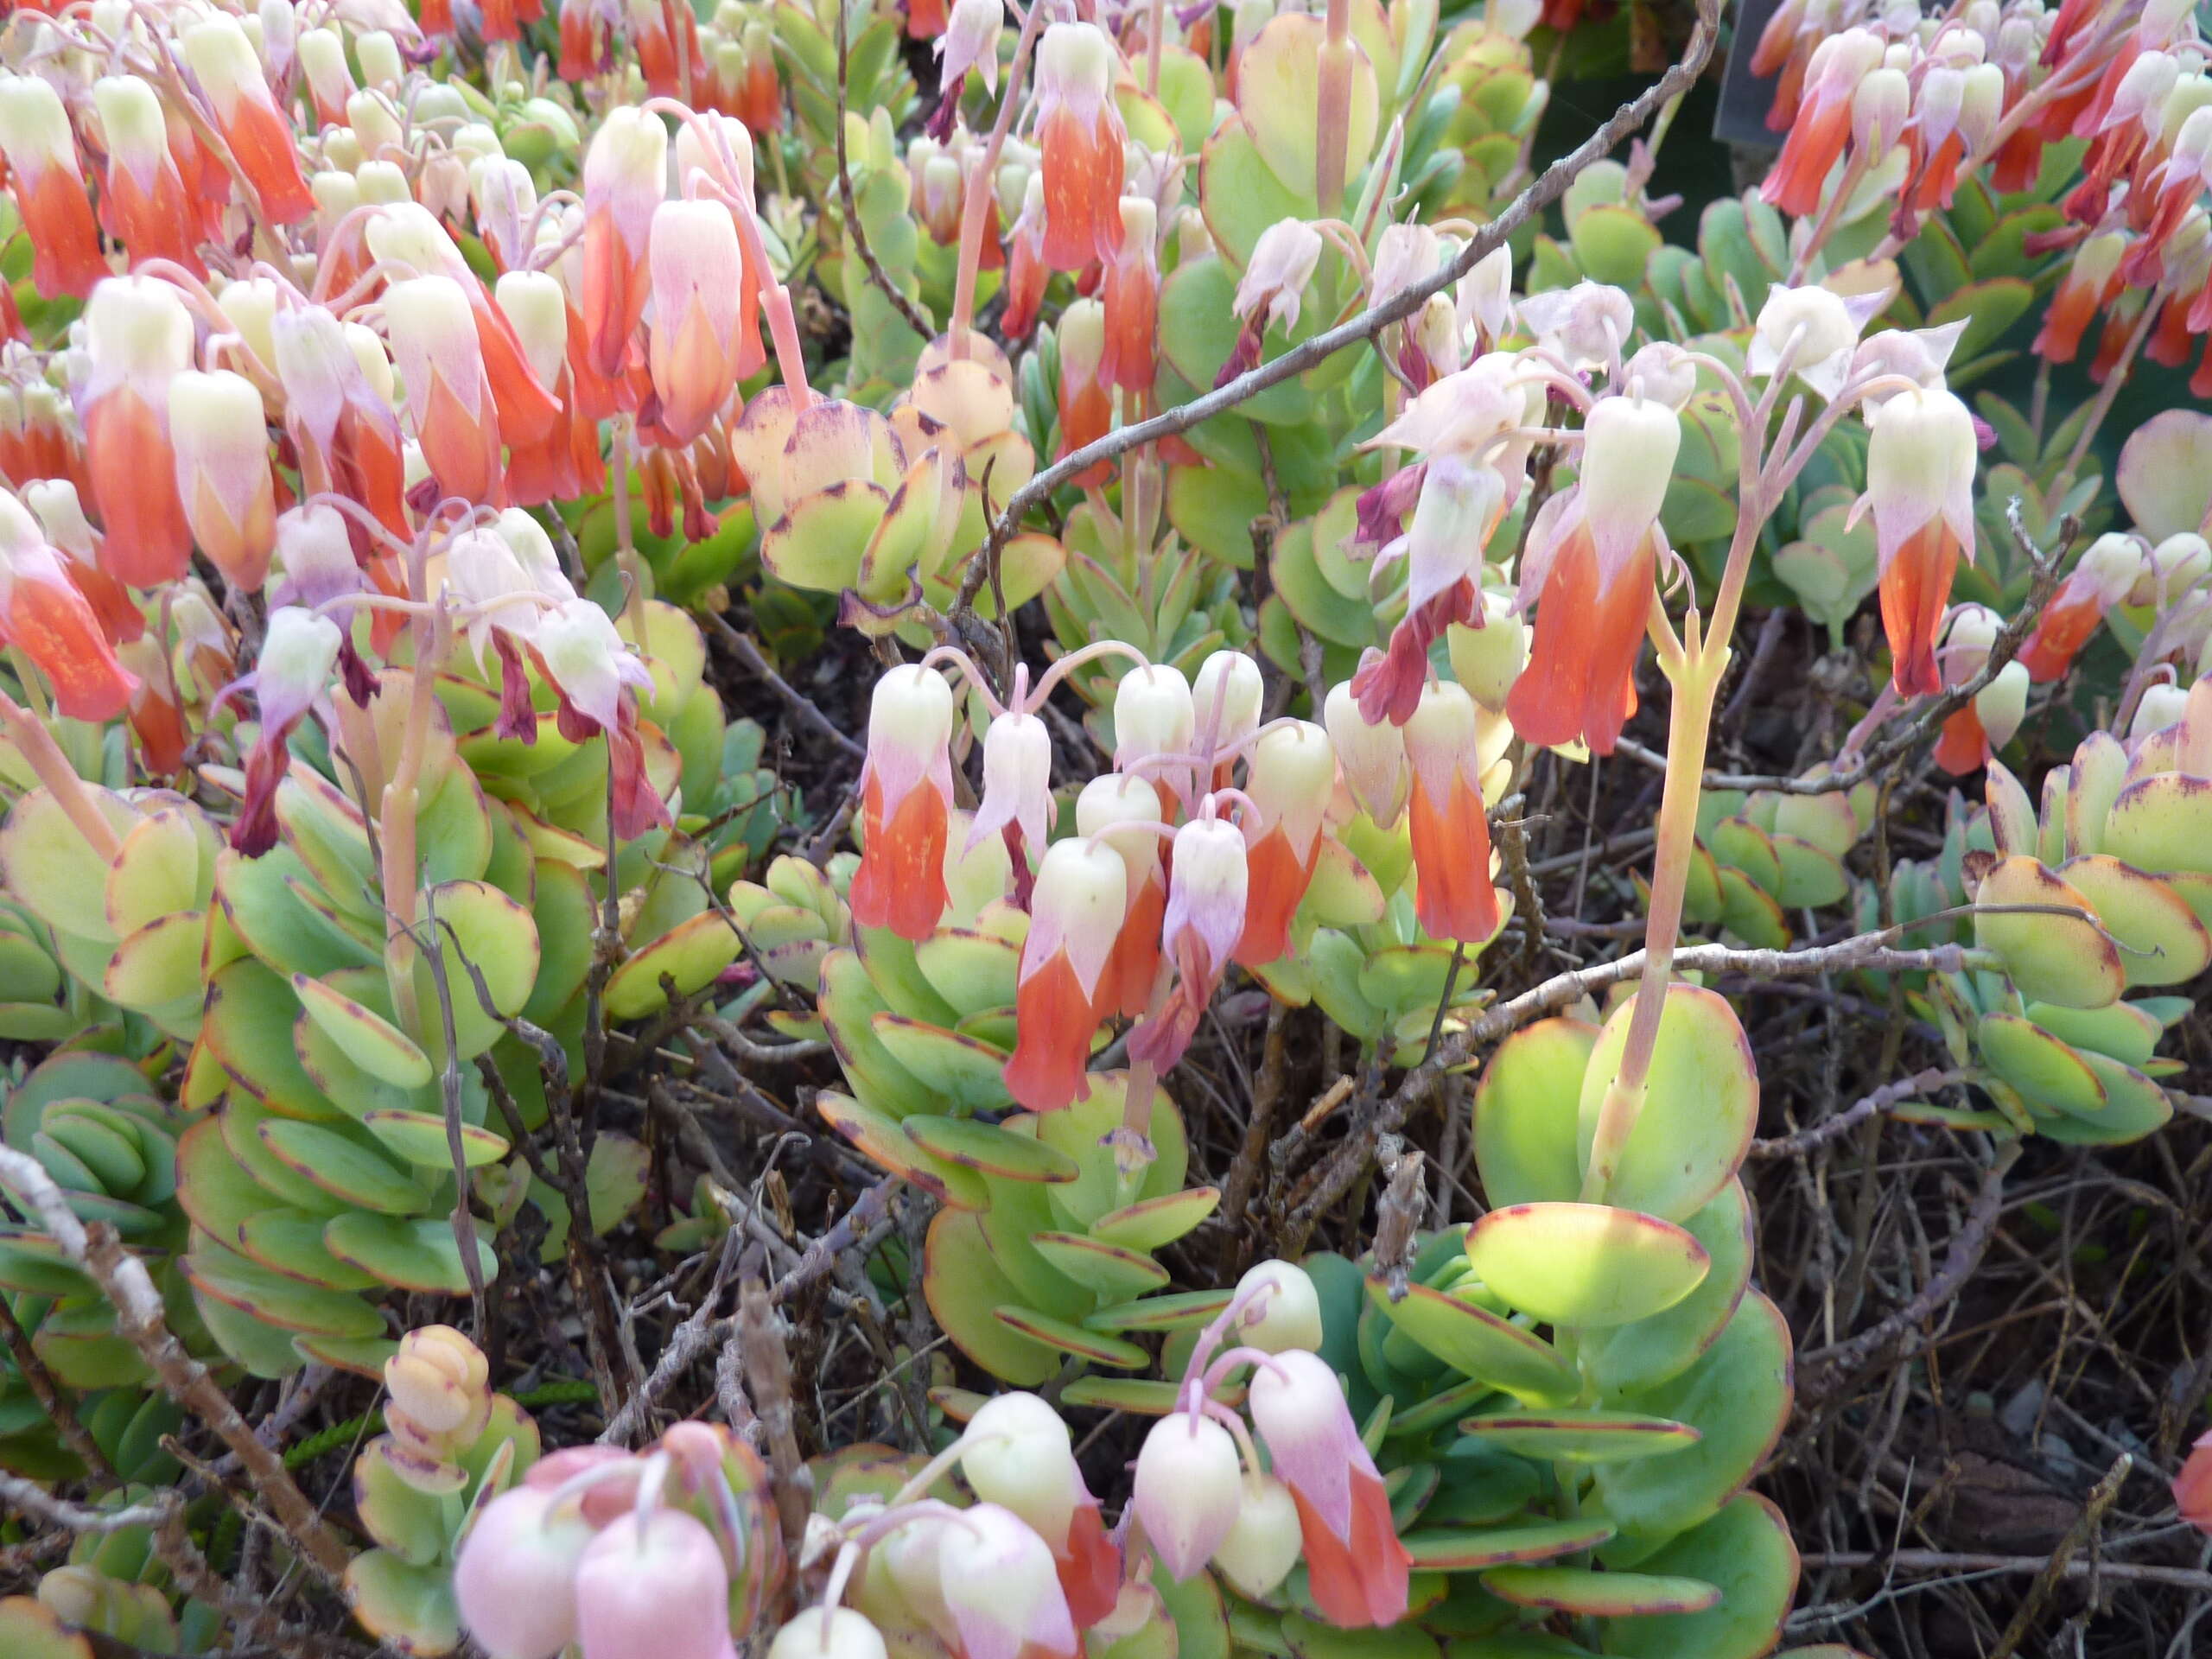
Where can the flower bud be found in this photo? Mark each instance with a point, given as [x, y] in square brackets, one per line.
[1372, 757]
[516, 1577]
[2003, 704]
[1487, 660]
[1001, 1588]
[1017, 779]
[223, 476]
[1816, 317]
[1225, 698]
[818, 1632]
[1288, 1315]
[1153, 714]
[298, 653]
[2162, 705]
[653, 1586]
[1879, 109]
[970, 42]
[1017, 1454]
[1263, 1545]
[1187, 1489]
[534, 302]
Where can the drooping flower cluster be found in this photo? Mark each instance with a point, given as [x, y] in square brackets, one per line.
[1192, 855]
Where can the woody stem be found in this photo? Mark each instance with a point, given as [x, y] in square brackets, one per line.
[61, 778]
[976, 191]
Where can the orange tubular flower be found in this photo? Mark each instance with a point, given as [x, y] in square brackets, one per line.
[1591, 555]
[2107, 571]
[1086, 405]
[139, 337]
[1082, 135]
[321, 56]
[144, 206]
[1075, 916]
[1132, 301]
[1823, 121]
[625, 179]
[1026, 273]
[448, 395]
[2089, 286]
[1208, 893]
[222, 472]
[1920, 465]
[1292, 775]
[665, 34]
[47, 179]
[259, 138]
[1453, 898]
[905, 803]
[42, 614]
[696, 277]
[1132, 970]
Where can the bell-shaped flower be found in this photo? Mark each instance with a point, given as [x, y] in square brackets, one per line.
[1026, 269]
[626, 176]
[1017, 782]
[1272, 290]
[1264, 1543]
[515, 1580]
[223, 475]
[1920, 355]
[2174, 187]
[1075, 916]
[1483, 301]
[1817, 329]
[1291, 780]
[1370, 753]
[1588, 570]
[223, 61]
[139, 338]
[342, 420]
[1453, 898]
[1487, 660]
[1823, 124]
[1081, 135]
[819, 1632]
[320, 55]
[1188, 1485]
[653, 1586]
[510, 578]
[2108, 572]
[970, 44]
[449, 394]
[1113, 798]
[1920, 467]
[1001, 1588]
[1131, 296]
[1226, 695]
[1086, 405]
[1017, 1454]
[47, 179]
[597, 676]
[1585, 326]
[696, 272]
[1357, 1567]
[44, 615]
[664, 38]
[299, 652]
[1208, 890]
[1460, 505]
[1964, 745]
[1284, 1311]
[143, 206]
[1154, 715]
[2091, 283]
[60, 514]
[905, 803]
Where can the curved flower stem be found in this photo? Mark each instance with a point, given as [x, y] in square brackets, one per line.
[975, 199]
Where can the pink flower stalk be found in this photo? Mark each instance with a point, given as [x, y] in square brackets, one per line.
[223, 476]
[1920, 467]
[1824, 121]
[697, 274]
[1017, 1454]
[2106, 575]
[1209, 884]
[516, 1577]
[449, 394]
[47, 176]
[139, 338]
[1291, 780]
[1356, 1567]
[43, 614]
[1271, 291]
[298, 653]
[1000, 1589]
[224, 64]
[2193, 1486]
[1188, 1484]
[1076, 916]
[905, 803]
[1081, 135]
[1588, 570]
[653, 1586]
[143, 206]
[1454, 899]
[1132, 972]
[626, 176]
